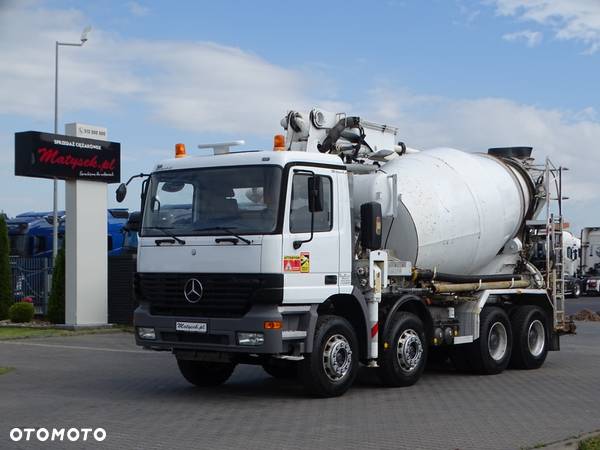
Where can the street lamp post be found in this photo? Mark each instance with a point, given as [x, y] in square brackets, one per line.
[83, 40]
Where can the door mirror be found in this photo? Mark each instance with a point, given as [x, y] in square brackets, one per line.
[121, 192]
[370, 225]
[134, 222]
[315, 194]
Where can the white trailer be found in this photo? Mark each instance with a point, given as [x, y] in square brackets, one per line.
[345, 247]
[590, 260]
[572, 253]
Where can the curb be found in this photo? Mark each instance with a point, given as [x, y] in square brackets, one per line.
[572, 443]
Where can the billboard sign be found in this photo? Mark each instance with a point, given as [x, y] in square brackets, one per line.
[46, 155]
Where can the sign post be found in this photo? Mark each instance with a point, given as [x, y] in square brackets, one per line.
[87, 165]
[86, 263]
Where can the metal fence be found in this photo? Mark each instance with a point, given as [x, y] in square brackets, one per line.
[31, 278]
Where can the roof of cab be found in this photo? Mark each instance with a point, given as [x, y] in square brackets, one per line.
[249, 158]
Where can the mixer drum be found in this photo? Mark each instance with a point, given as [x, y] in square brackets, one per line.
[455, 210]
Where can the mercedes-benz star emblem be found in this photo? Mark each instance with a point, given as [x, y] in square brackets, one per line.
[193, 290]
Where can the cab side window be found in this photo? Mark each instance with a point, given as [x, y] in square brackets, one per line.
[300, 216]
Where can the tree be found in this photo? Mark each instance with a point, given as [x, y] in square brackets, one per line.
[5, 288]
[56, 302]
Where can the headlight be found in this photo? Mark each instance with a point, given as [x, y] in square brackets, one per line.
[146, 333]
[250, 338]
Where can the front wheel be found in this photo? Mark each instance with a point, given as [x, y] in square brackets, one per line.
[576, 290]
[530, 337]
[203, 373]
[404, 351]
[331, 368]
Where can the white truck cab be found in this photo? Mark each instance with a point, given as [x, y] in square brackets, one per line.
[243, 229]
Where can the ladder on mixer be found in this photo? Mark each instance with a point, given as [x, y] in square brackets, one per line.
[555, 269]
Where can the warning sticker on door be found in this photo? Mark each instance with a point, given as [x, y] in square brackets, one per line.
[304, 262]
[297, 263]
[291, 263]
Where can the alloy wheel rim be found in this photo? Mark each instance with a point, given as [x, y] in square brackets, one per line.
[409, 350]
[337, 357]
[536, 338]
[497, 341]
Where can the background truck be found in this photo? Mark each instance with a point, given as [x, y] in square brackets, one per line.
[572, 261]
[590, 260]
[571, 248]
[345, 247]
[30, 238]
[30, 233]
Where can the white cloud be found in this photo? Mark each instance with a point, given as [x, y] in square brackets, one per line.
[137, 9]
[577, 20]
[531, 38]
[570, 139]
[198, 86]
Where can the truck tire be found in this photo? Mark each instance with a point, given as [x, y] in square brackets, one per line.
[281, 369]
[576, 290]
[331, 368]
[202, 373]
[490, 354]
[530, 338]
[403, 361]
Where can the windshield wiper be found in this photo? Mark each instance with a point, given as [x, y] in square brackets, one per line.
[226, 229]
[164, 231]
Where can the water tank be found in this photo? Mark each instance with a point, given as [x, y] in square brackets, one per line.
[454, 210]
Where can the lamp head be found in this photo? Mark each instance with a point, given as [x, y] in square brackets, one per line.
[84, 34]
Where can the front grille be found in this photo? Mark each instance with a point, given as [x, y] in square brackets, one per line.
[196, 338]
[224, 295]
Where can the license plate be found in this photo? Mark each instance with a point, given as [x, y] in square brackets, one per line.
[192, 327]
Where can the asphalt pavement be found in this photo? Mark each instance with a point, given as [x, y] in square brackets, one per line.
[574, 305]
[142, 402]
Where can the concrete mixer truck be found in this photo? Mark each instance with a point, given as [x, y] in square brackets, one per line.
[344, 247]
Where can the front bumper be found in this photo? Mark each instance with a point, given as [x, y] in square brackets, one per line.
[220, 335]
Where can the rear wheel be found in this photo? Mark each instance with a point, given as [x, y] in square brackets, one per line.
[490, 354]
[331, 368]
[404, 351]
[530, 337]
[203, 373]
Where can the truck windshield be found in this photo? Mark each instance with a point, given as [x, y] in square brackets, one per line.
[212, 201]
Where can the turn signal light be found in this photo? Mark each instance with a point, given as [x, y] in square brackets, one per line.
[279, 143]
[180, 151]
[272, 325]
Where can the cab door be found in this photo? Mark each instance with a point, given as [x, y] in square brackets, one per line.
[310, 264]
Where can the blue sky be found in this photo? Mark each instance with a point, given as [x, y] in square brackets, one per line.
[468, 74]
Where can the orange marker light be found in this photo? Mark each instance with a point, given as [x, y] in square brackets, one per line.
[279, 143]
[273, 325]
[180, 151]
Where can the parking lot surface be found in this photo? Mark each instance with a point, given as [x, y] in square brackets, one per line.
[142, 402]
[574, 305]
